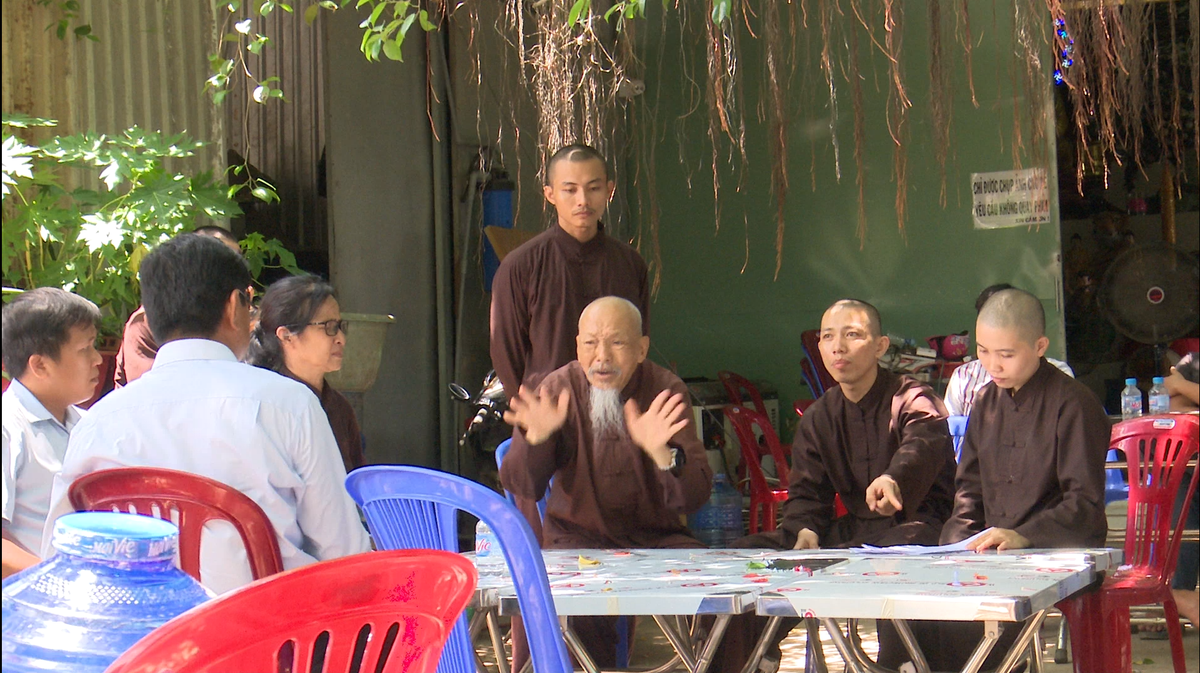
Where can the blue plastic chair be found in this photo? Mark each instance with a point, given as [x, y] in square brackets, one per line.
[414, 507]
[958, 430]
[1115, 488]
[501, 452]
[622, 622]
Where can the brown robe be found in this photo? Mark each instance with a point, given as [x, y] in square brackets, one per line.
[899, 429]
[137, 352]
[1034, 463]
[342, 421]
[540, 290]
[609, 494]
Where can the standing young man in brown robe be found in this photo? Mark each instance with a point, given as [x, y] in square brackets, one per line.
[878, 440]
[542, 287]
[1031, 472]
[623, 477]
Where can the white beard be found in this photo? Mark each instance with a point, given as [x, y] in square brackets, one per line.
[605, 412]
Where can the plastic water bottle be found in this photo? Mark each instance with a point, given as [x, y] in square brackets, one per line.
[719, 521]
[1131, 400]
[113, 581]
[487, 545]
[1160, 399]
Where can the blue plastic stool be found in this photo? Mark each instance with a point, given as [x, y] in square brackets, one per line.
[1115, 488]
[411, 507]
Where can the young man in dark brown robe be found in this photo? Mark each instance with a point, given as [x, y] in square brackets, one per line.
[878, 440]
[1031, 472]
[623, 478]
[541, 288]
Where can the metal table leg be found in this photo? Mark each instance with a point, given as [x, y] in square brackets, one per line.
[760, 648]
[576, 648]
[843, 647]
[678, 641]
[1035, 652]
[1022, 645]
[910, 644]
[710, 646]
[991, 633]
[815, 652]
[856, 647]
[493, 624]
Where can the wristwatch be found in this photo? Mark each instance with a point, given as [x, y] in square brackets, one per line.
[678, 458]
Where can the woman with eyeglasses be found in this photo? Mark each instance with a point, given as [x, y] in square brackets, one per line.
[301, 334]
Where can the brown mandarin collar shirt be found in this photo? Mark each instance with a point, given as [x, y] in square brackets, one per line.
[541, 289]
[1034, 463]
[898, 428]
[342, 421]
[609, 494]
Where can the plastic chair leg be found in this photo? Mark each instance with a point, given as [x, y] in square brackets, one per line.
[754, 507]
[771, 515]
[1175, 632]
[623, 642]
[1061, 655]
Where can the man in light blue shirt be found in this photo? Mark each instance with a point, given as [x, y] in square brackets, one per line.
[199, 410]
[49, 345]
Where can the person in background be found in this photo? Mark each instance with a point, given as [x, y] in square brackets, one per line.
[301, 334]
[138, 345]
[201, 411]
[49, 341]
[879, 441]
[1031, 472]
[1184, 387]
[614, 431]
[969, 379]
[542, 287]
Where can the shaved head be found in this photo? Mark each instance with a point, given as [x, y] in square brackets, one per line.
[1015, 310]
[874, 323]
[614, 307]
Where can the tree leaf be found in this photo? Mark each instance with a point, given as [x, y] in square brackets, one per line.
[243, 26]
[576, 10]
[721, 10]
[426, 24]
[310, 14]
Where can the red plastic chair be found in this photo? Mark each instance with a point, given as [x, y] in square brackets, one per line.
[1157, 449]
[735, 385]
[190, 501]
[764, 499]
[380, 611]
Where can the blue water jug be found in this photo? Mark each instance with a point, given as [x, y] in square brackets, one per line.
[113, 581]
[719, 522]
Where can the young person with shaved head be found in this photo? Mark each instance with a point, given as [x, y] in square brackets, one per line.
[1031, 472]
[878, 440]
[614, 431]
[542, 287]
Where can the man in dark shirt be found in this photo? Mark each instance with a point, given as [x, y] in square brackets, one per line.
[878, 440]
[623, 477]
[1031, 472]
[542, 287]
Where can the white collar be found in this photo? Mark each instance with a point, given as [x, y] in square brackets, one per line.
[192, 349]
[36, 412]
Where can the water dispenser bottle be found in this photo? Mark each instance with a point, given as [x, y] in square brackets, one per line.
[113, 581]
[719, 521]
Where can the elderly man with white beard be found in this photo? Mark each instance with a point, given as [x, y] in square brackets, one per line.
[614, 431]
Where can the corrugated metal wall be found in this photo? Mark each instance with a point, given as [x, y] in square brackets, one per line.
[148, 69]
[285, 140]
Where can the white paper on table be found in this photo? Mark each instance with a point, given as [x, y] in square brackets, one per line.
[918, 549]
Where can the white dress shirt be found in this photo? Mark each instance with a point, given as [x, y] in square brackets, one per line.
[34, 446]
[966, 382]
[199, 410]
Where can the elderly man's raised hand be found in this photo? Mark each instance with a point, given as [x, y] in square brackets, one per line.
[537, 413]
[653, 429]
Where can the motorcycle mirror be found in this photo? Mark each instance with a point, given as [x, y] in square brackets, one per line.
[459, 393]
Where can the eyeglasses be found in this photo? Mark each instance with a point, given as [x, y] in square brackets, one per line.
[332, 327]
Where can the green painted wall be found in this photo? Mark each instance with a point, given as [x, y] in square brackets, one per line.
[712, 315]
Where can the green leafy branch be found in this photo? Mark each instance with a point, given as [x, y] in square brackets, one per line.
[68, 11]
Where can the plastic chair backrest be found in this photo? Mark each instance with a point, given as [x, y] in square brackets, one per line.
[409, 506]
[190, 501]
[1157, 449]
[1115, 488]
[501, 452]
[744, 421]
[735, 385]
[801, 406]
[958, 430]
[810, 340]
[387, 611]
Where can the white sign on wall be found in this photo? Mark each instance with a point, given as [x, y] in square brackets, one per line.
[1010, 198]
